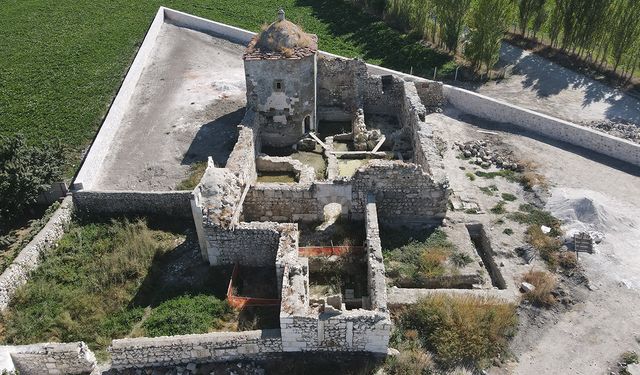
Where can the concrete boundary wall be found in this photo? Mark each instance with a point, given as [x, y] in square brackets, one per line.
[502, 112]
[92, 164]
[200, 348]
[111, 203]
[30, 257]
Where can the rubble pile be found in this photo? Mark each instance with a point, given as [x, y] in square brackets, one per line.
[482, 154]
[617, 128]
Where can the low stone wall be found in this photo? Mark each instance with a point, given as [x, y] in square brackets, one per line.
[52, 359]
[554, 128]
[248, 244]
[203, 348]
[17, 274]
[375, 264]
[113, 203]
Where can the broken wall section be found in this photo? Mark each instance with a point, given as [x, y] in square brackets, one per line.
[53, 358]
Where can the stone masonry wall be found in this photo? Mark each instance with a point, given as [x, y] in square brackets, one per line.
[401, 190]
[17, 274]
[339, 87]
[382, 95]
[202, 348]
[53, 359]
[248, 244]
[281, 202]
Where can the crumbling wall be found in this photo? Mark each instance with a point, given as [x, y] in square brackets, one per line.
[242, 160]
[382, 95]
[401, 190]
[431, 94]
[202, 348]
[339, 88]
[53, 358]
[18, 272]
[248, 244]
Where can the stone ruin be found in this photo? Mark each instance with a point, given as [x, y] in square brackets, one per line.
[295, 98]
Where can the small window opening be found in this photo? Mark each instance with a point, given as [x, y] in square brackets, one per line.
[278, 85]
[307, 124]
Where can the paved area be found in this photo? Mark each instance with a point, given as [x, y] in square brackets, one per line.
[541, 85]
[189, 100]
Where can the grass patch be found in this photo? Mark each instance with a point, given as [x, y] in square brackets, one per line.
[186, 314]
[461, 330]
[196, 171]
[549, 247]
[83, 289]
[413, 261]
[460, 259]
[529, 214]
[509, 197]
[499, 208]
[472, 211]
[58, 79]
[544, 283]
[470, 176]
[489, 190]
[508, 231]
[508, 174]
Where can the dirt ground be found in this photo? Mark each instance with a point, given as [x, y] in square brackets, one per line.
[588, 335]
[541, 85]
[186, 106]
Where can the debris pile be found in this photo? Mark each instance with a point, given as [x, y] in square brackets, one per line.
[484, 156]
[617, 128]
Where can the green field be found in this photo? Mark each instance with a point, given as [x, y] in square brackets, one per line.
[62, 61]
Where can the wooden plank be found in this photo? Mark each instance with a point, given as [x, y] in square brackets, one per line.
[380, 142]
[319, 141]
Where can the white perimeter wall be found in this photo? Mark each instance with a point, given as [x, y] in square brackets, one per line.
[499, 111]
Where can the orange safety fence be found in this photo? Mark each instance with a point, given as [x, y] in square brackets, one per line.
[241, 302]
[311, 251]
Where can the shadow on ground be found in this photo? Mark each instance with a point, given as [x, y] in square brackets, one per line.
[216, 139]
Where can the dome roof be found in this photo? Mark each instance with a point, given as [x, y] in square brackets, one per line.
[282, 38]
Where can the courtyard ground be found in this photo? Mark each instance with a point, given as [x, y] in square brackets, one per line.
[186, 107]
[589, 336]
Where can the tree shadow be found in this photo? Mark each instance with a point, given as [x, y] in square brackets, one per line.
[376, 39]
[216, 139]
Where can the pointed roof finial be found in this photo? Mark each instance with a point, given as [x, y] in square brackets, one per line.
[281, 14]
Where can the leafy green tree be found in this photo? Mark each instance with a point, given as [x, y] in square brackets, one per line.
[25, 172]
[528, 10]
[450, 14]
[488, 20]
[624, 29]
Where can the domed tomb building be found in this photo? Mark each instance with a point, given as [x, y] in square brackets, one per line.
[280, 66]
